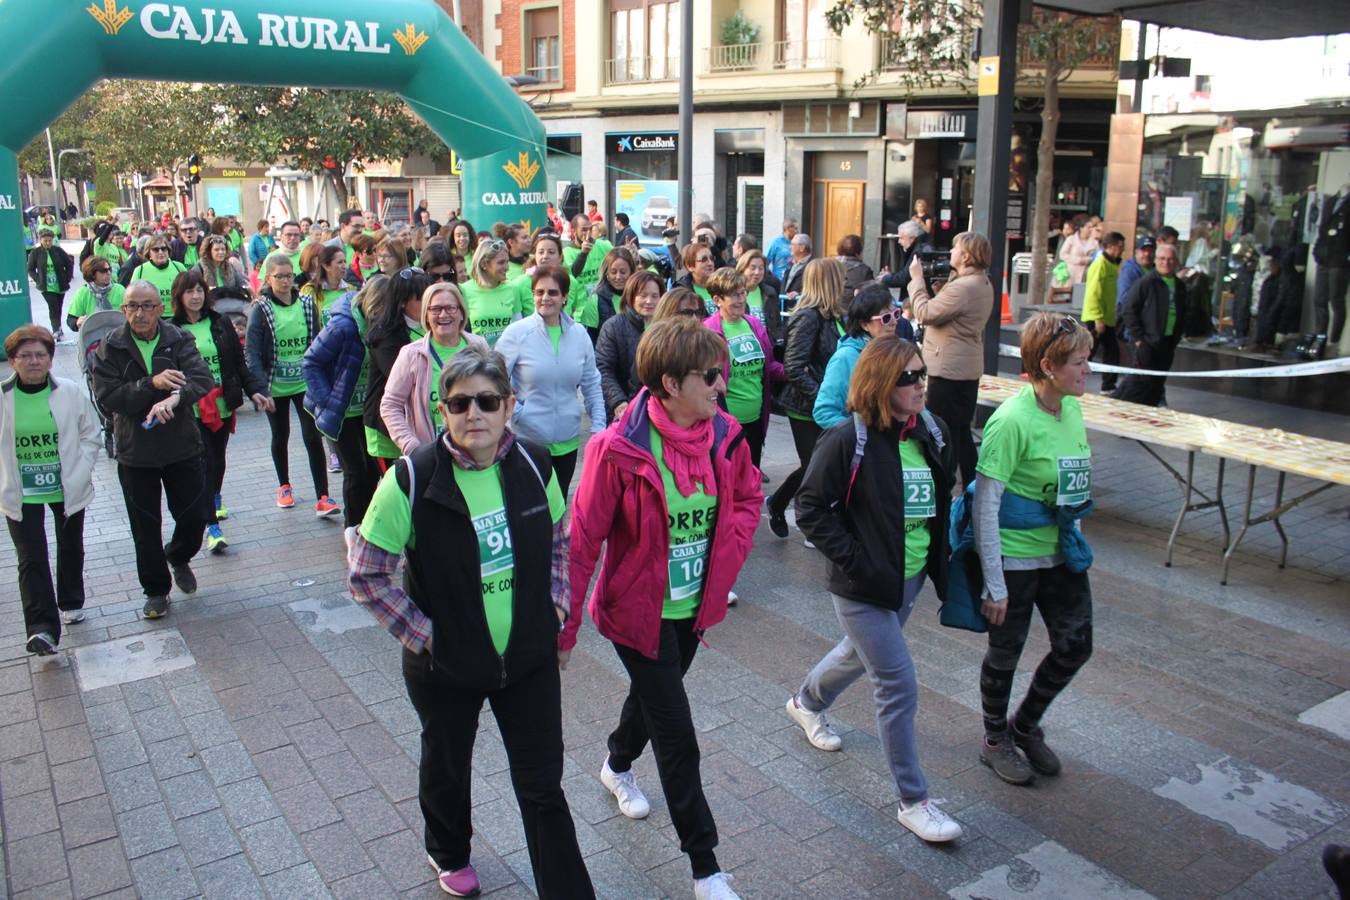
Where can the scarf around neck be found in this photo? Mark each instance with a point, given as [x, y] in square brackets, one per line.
[685, 451]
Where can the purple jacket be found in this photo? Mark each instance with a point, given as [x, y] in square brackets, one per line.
[774, 373]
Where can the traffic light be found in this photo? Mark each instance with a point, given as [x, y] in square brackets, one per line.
[194, 169]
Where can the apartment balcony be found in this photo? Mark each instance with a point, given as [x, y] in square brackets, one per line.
[954, 57]
[641, 70]
[773, 56]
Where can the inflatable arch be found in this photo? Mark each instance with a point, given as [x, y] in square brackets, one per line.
[409, 47]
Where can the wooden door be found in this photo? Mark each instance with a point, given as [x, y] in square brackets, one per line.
[843, 213]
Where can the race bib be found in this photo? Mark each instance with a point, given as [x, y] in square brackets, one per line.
[920, 494]
[40, 479]
[495, 556]
[1075, 480]
[745, 349]
[287, 372]
[686, 567]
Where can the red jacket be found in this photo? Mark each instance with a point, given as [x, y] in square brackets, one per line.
[621, 503]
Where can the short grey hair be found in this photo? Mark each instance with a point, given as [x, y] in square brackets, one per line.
[790, 223]
[141, 285]
[910, 229]
[475, 360]
[803, 240]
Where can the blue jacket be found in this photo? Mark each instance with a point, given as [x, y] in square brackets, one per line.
[779, 255]
[545, 383]
[332, 366]
[1130, 272]
[832, 399]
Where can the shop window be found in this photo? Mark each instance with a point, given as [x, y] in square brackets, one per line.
[644, 40]
[543, 44]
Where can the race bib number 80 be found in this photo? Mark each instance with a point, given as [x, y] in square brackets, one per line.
[1075, 480]
[38, 479]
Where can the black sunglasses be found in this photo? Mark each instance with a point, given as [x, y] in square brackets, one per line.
[1067, 325]
[710, 376]
[690, 312]
[442, 276]
[911, 377]
[488, 403]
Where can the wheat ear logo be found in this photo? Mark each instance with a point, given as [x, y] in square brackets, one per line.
[110, 17]
[523, 171]
[410, 39]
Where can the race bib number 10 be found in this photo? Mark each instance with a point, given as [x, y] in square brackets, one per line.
[1075, 480]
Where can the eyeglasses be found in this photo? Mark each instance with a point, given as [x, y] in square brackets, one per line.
[143, 307]
[703, 259]
[710, 376]
[159, 249]
[488, 403]
[410, 273]
[33, 357]
[885, 318]
[282, 276]
[447, 275]
[911, 377]
[443, 312]
[103, 271]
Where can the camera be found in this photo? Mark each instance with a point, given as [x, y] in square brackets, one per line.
[937, 266]
[671, 233]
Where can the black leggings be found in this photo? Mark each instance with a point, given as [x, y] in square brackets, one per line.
[954, 403]
[754, 439]
[563, 467]
[215, 443]
[360, 474]
[281, 439]
[54, 300]
[804, 435]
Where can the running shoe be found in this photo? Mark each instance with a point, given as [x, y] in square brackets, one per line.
[457, 882]
[623, 785]
[1003, 757]
[1038, 753]
[334, 464]
[929, 822]
[818, 730]
[326, 507]
[155, 607]
[732, 598]
[221, 512]
[215, 541]
[184, 578]
[285, 497]
[71, 616]
[715, 887]
[42, 644]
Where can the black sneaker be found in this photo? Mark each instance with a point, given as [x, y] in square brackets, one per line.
[778, 524]
[155, 607]
[1041, 757]
[1006, 762]
[42, 644]
[183, 577]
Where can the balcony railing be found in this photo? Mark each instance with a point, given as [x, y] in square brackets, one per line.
[641, 69]
[952, 55]
[769, 56]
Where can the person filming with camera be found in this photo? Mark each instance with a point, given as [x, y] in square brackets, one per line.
[953, 342]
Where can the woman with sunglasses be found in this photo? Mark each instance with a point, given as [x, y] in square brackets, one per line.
[679, 302]
[477, 520]
[364, 263]
[616, 350]
[159, 270]
[751, 369]
[221, 273]
[873, 502]
[99, 292]
[953, 338]
[871, 313]
[671, 494]
[1034, 458]
[701, 263]
[410, 405]
[492, 301]
[281, 326]
[219, 346]
[398, 324]
[549, 358]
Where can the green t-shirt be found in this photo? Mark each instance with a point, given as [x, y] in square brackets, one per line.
[754, 302]
[206, 346]
[439, 354]
[1039, 457]
[514, 270]
[745, 390]
[83, 303]
[709, 307]
[147, 349]
[920, 506]
[325, 298]
[560, 448]
[691, 521]
[388, 525]
[1171, 283]
[162, 279]
[292, 339]
[234, 240]
[191, 256]
[490, 309]
[380, 445]
[35, 446]
[111, 252]
[525, 295]
[53, 285]
[586, 312]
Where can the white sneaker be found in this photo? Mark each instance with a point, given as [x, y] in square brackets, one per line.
[929, 822]
[715, 887]
[732, 599]
[808, 545]
[623, 785]
[71, 616]
[818, 730]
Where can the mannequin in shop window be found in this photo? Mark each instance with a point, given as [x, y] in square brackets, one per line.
[1331, 252]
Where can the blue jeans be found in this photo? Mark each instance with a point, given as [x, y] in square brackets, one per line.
[874, 642]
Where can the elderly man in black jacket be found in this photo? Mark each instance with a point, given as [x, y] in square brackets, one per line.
[148, 375]
[1155, 314]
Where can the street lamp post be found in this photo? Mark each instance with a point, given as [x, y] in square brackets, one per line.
[58, 169]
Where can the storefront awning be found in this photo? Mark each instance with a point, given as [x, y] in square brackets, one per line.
[1255, 19]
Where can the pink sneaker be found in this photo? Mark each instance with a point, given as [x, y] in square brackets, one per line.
[457, 882]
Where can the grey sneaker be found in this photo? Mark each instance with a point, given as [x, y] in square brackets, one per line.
[155, 607]
[1006, 762]
[183, 577]
[1041, 757]
[71, 616]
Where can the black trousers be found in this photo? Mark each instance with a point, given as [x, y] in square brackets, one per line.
[214, 456]
[1064, 599]
[529, 717]
[754, 439]
[41, 604]
[1110, 348]
[1329, 302]
[564, 467]
[54, 300]
[184, 487]
[657, 708]
[954, 403]
[1147, 389]
[309, 433]
[805, 432]
[360, 474]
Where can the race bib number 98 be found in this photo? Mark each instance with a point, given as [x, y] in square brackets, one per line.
[1075, 480]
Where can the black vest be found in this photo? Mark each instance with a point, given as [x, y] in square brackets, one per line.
[442, 574]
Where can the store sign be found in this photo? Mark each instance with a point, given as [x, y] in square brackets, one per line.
[508, 187]
[928, 124]
[644, 143]
[206, 25]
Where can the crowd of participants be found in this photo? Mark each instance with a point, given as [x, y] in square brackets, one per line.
[458, 377]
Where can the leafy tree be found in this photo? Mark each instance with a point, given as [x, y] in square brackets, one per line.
[69, 130]
[925, 43]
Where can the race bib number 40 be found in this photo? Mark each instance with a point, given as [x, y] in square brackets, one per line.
[1075, 480]
[920, 494]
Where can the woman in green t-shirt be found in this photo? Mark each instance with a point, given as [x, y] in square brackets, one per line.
[160, 270]
[223, 274]
[493, 301]
[326, 268]
[1034, 453]
[700, 261]
[99, 292]
[462, 238]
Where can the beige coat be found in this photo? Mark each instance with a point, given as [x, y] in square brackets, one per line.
[954, 320]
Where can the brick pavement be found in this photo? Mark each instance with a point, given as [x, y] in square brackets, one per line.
[278, 759]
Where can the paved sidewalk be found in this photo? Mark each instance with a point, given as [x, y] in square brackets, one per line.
[258, 743]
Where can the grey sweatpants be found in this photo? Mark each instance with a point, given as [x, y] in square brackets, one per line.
[874, 642]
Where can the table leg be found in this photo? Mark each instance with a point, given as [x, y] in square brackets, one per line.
[1189, 485]
[1218, 501]
[1275, 517]
[1246, 521]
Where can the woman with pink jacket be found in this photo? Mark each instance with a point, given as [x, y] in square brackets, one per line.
[672, 492]
[408, 406]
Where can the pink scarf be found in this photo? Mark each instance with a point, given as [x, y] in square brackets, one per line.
[685, 451]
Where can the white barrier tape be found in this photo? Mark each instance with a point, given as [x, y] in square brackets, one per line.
[1290, 370]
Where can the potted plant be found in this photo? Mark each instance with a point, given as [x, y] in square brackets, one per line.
[739, 41]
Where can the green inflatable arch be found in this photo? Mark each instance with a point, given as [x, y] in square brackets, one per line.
[409, 47]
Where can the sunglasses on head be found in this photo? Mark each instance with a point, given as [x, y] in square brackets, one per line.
[885, 318]
[410, 273]
[487, 402]
[709, 376]
[1067, 325]
[911, 377]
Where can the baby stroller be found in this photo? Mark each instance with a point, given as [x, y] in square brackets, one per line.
[96, 327]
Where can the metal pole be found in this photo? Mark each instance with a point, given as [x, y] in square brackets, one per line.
[993, 142]
[51, 160]
[685, 212]
[1142, 59]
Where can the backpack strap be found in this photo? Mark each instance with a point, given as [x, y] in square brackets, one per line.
[533, 466]
[931, 424]
[859, 447]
